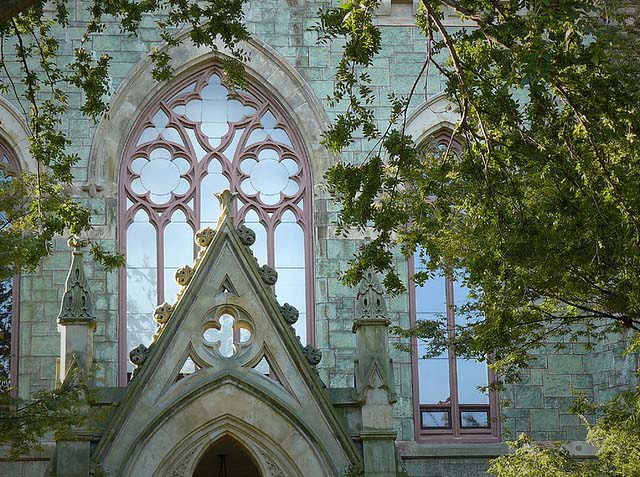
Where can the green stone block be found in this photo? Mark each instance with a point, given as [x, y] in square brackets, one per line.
[556, 386]
[565, 364]
[528, 396]
[544, 420]
[582, 381]
[45, 346]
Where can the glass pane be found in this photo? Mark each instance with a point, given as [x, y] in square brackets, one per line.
[199, 150]
[269, 176]
[289, 245]
[141, 290]
[471, 374]
[6, 314]
[160, 176]
[214, 111]
[268, 120]
[431, 296]
[141, 242]
[290, 287]
[260, 245]
[433, 376]
[279, 135]
[171, 287]
[140, 330]
[178, 243]
[474, 419]
[230, 151]
[301, 327]
[436, 419]
[210, 206]
[460, 298]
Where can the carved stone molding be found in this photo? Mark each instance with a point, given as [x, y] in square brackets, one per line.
[273, 469]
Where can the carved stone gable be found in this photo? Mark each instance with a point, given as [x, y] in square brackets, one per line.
[226, 360]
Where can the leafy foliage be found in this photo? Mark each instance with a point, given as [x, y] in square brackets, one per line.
[57, 412]
[534, 202]
[37, 206]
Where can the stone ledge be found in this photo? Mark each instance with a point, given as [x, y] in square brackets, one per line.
[343, 396]
[44, 453]
[418, 450]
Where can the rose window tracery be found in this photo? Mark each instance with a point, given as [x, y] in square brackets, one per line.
[194, 141]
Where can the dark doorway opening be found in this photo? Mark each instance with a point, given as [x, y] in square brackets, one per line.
[226, 458]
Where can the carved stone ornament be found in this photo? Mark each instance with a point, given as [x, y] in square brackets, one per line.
[92, 189]
[354, 470]
[273, 469]
[226, 199]
[289, 313]
[163, 313]
[370, 303]
[313, 355]
[268, 275]
[76, 301]
[138, 355]
[246, 235]
[205, 236]
[182, 469]
[183, 275]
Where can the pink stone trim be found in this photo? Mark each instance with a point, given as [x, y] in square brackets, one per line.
[13, 168]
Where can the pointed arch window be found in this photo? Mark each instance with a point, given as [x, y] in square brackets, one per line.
[199, 139]
[9, 290]
[448, 403]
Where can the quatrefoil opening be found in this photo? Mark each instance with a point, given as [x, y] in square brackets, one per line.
[227, 336]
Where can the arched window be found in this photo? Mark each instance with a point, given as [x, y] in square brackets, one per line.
[8, 292]
[198, 139]
[448, 404]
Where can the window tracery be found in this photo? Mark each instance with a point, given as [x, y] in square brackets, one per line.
[189, 146]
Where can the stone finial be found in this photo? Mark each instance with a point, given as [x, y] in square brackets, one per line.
[76, 321]
[226, 198]
[370, 302]
[76, 303]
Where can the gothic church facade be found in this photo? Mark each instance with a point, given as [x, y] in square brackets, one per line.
[228, 342]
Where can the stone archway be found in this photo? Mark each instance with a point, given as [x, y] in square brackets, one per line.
[226, 458]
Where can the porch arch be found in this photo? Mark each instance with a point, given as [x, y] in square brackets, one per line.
[270, 428]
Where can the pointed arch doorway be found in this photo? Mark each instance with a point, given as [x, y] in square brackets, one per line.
[226, 458]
